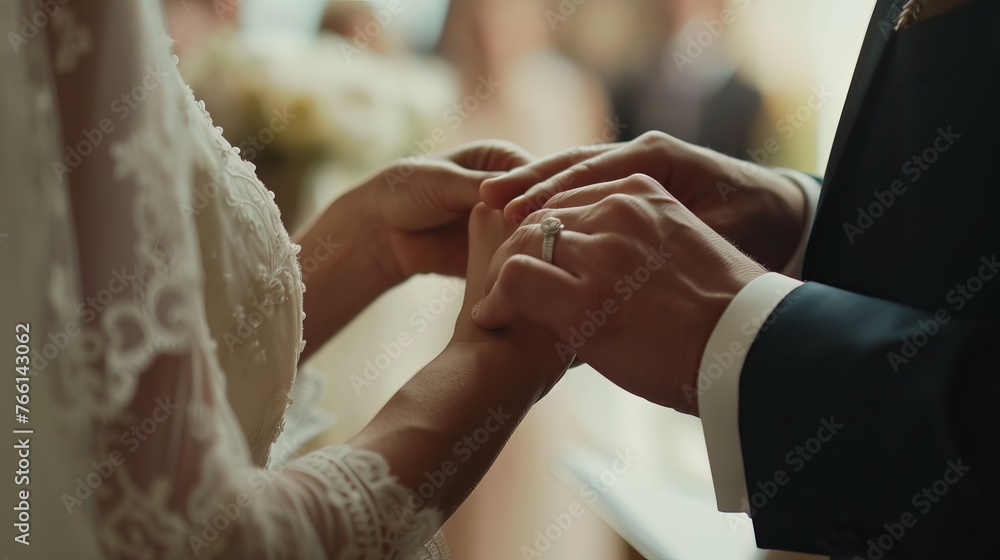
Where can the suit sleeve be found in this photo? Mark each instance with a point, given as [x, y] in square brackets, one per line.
[868, 429]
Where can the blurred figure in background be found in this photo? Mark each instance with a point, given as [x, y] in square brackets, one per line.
[191, 22]
[673, 72]
[540, 99]
[349, 20]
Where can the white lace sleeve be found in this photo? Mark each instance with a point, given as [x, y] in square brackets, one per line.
[140, 454]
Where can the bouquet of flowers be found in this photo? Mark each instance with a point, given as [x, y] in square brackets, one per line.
[291, 103]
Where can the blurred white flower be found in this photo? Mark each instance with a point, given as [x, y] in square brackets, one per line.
[357, 109]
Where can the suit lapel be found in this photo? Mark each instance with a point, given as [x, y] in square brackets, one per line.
[880, 29]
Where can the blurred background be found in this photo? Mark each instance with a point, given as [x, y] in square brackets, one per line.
[318, 94]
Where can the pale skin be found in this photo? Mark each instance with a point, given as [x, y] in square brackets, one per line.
[622, 204]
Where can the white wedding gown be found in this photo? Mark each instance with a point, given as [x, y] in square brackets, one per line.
[164, 303]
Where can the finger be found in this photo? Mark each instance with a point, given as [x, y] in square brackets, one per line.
[605, 167]
[499, 191]
[593, 194]
[490, 155]
[442, 192]
[528, 288]
[569, 253]
[487, 232]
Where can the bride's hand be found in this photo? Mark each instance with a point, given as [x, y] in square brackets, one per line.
[421, 205]
[528, 350]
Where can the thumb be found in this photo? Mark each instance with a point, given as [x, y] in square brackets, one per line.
[458, 187]
[487, 232]
[490, 155]
[530, 288]
[444, 193]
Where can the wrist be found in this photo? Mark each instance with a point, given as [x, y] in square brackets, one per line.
[502, 368]
[787, 208]
[735, 279]
[372, 246]
[773, 214]
[339, 255]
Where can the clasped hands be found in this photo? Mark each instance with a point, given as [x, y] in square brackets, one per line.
[645, 267]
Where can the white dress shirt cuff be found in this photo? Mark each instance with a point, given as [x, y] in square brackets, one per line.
[811, 189]
[719, 383]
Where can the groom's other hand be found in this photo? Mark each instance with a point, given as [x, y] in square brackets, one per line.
[636, 286]
[758, 209]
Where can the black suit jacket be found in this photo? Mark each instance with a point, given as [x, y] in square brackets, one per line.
[870, 401]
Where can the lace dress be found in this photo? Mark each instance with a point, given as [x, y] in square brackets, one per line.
[163, 301]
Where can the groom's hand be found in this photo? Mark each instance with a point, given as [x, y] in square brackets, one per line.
[420, 207]
[759, 210]
[636, 286]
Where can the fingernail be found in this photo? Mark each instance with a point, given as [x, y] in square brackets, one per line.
[475, 309]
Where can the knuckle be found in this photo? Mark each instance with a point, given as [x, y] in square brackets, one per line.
[579, 154]
[579, 168]
[515, 270]
[653, 138]
[536, 216]
[520, 240]
[557, 200]
[620, 205]
[642, 183]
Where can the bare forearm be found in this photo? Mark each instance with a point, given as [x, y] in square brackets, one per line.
[442, 431]
[341, 267]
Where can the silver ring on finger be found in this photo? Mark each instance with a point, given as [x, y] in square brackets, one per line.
[551, 226]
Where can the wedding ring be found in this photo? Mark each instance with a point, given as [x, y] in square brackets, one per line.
[551, 227]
